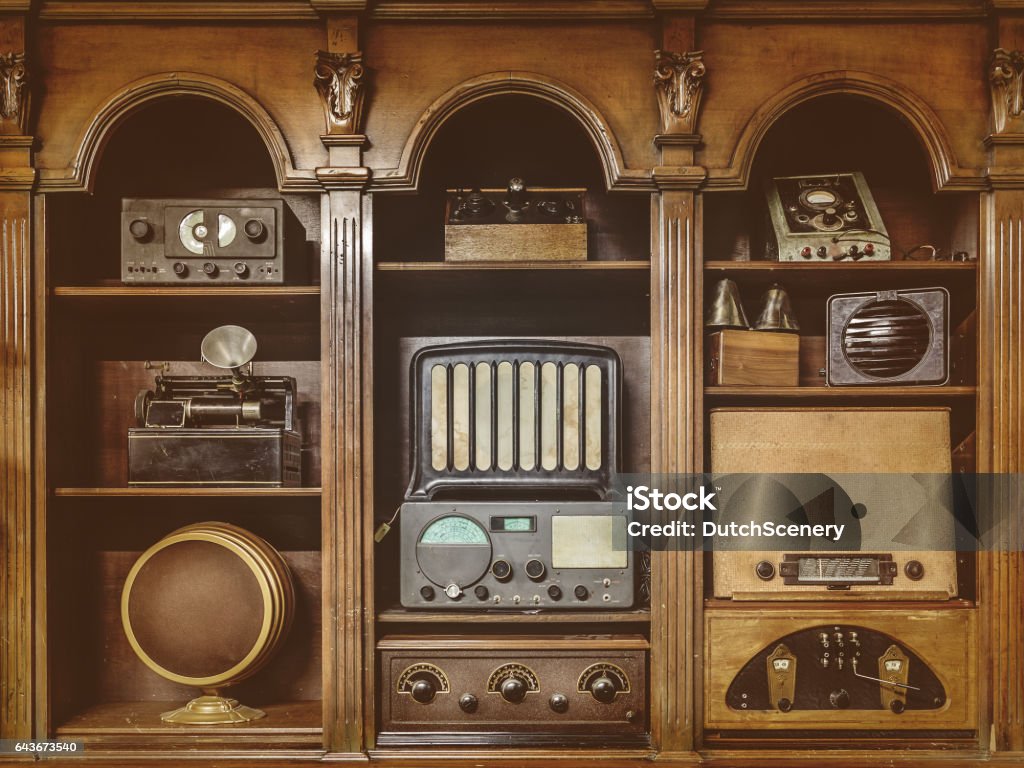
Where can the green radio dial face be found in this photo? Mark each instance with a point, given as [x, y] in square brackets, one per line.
[454, 529]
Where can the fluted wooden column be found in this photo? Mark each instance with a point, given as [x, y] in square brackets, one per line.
[16, 388]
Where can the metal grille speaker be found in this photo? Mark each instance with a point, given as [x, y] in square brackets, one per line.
[527, 414]
[889, 337]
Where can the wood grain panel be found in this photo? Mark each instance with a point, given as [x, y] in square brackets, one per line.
[1001, 410]
[16, 688]
[675, 434]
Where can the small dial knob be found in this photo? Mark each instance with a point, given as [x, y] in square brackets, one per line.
[604, 689]
[502, 570]
[468, 703]
[806, 252]
[558, 703]
[513, 690]
[555, 592]
[822, 251]
[241, 269]
[785, 705]
[254, 229]
[200, 231]
[839, 699]
[140, 229]
[453, 591]
[581, 592]
[765, 570]
[914, 570]
[535, 569]
[829, 218]
[180, 269]
[897, 706]
[423, 691]
[210, 269]
[481, 592]
[427, 592]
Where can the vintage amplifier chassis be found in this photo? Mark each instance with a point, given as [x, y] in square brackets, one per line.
[276, 255]
[568, 690]
[943, 641]
[845, 441]
[516, 556]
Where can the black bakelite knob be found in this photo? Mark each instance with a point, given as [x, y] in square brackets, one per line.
[423, 691]
[765, 570]
[468, 702]
[481, 592]
[897, 706]
[914, 570]
[555, 592]
[785, 705]
[427, 592]
[513, 690]
[558, 702]
[604, 690]
[581, 592]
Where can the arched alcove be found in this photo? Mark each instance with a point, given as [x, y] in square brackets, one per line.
[491, 140]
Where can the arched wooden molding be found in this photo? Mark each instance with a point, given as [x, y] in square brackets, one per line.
[80, 176]
[946, 174]
[406, 176]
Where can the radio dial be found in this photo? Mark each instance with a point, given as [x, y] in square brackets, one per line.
[454, 591]
[210, 269]
[558, 703]
[581, 592]
[423, 691]
[481, 592]
[604, 690]
[785, 705]
[427, 592]
[765, 570]
[241, 269]
[502, 570]
[468, 703]
[914, 570]
[140, 229]
[555, 592]
[513, 690]
[535, 569]
[180, 269]
[200, 231]
[254, 229]
[829, 218]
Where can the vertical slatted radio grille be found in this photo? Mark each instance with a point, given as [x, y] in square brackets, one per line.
[515, 413]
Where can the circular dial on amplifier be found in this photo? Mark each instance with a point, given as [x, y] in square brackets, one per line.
[453, 550]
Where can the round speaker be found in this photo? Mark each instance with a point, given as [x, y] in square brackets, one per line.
[208, 605]
[886, 339]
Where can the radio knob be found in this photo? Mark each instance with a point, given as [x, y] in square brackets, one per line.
[200, 231]
[502, 570]
[139, 229]
[454, 591]
[765, 570]
[427, 592]
[914, 570]
[897, 706]
[210, 269]
[555, 592]
[423, 691]
[829, 218]
[806, 251]
[785, 705]
[468, 703]
[180, 269]
[513, 690]
[839, 699]
[535, 569]
[558, 703]
[241, 269]
[254, 229]
[481, 592]
[581, 592]
[604, 690]
[869, 249]
[822, 251]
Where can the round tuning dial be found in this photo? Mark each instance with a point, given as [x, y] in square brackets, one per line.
[535, 569]
[581, 592]
[468, 703]
[423, 681]
[180, 269]
[603, 681]
[765, 570]
[140, 229]
[555, 592]
[254, 229]
[502, 570]
[558, 703]
[829, 218]
[424, 691]
[603, 689]
[241, 269]
[513, 690]
[210, 269]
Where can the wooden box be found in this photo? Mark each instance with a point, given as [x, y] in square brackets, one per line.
[535, 238]
[755, 358]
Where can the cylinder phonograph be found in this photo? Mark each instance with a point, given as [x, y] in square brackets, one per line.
[208, 606]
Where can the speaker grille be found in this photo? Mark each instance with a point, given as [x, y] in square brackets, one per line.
[885, 339]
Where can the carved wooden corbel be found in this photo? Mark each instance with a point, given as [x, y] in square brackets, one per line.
[338, 78]
[679, 80]
[1004, 78]
[14, 96]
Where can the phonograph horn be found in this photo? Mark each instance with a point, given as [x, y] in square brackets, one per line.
[229, 346]
[725, 309]
[776, 312]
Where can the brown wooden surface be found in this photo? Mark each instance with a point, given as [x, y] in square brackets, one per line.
[752, 358]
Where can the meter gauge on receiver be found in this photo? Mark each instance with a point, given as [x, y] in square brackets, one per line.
[515, 556]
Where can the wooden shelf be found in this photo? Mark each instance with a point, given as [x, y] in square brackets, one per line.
[289, 725]
[187, 491]
[492, 266]
[842, 267]
[835, 393]
[119, 290]
[403, 616]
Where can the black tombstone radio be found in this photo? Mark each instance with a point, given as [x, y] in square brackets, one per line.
[167, 241]
[234, 430]
[508, 419]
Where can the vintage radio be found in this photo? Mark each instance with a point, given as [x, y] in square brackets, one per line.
[515, 224]
[758, 358]
[528, 690]
[864, 670]
[891, 470]
[515, 555]
[235, 430]
[827, 217]
[210, 242]
[208, 606]
[889, 337]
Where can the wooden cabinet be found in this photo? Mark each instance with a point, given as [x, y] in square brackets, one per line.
[671, 115]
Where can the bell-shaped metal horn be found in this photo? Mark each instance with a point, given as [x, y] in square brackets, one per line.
[229, 346]
[725, 309]
[776, 312]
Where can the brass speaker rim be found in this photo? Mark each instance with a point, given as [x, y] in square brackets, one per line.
[248, 665]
